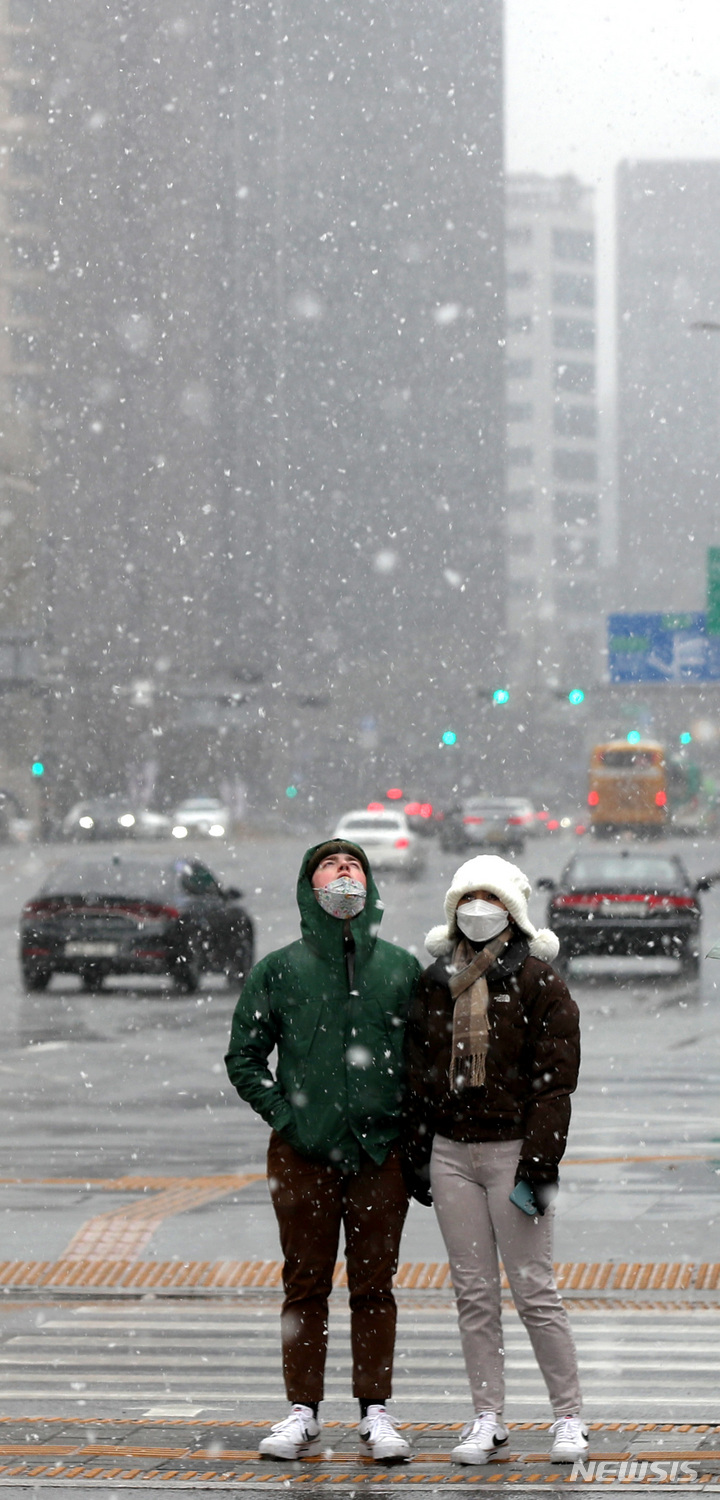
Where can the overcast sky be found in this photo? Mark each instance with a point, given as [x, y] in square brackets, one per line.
[589, 82]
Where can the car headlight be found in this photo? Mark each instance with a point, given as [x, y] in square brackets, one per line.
[86, 822]
[179, 831]
[127, 820]
[216, 830]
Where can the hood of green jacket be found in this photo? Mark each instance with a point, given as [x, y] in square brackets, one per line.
[323, 933]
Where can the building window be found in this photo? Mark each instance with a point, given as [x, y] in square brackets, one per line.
[25, 346]
[520, 234]
[577, 595]
[27, 254]
[523, 324]
[576, 421]
[574, 244]
[516, 280]
[575, 510]
[570, 464]
[571, 290]
[520, 458]
[25, 162]
[24, 101]
[521, 588]
[574, 376]
[520, 499]
[519, 411]
[572, 333]
[25, 208]
[522, 544]
[519, 369]
[573, 551]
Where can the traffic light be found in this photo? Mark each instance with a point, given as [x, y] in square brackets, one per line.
[633, 737]
[37, 768]
[576, 696]
[686, 737]
[449, 737]
[291, 791]
[501, 695]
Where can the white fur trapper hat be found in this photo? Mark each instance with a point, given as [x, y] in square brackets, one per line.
[487, 872]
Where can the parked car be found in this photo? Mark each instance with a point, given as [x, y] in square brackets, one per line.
[421, 817]
[204, 815]
[486, 822]
[387, 839]
[112, 818]
[127, 915]
[624, 903]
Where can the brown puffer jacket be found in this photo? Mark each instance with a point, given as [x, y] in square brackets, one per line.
[531, 1067]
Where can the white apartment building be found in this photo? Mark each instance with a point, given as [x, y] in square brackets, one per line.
[552, 487]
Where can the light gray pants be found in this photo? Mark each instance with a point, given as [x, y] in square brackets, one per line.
[471, 1186]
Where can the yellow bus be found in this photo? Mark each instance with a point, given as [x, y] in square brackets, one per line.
[628, 788]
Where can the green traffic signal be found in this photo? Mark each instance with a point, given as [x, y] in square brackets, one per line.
[37, 768]
[576, 696]
[501, 695]
[686, 737]
[634, 737]
[449, 737]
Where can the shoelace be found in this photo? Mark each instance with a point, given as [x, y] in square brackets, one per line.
[295, 1418]
[380, 1424]
[483, 1428]
[568, 1427]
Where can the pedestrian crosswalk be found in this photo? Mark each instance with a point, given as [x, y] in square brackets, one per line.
[643, 1363]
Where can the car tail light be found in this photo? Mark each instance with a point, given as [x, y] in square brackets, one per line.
[580, 828]
[515, 822]
[473, 820]
[552, 824]
[661, 798]
[426, 809]
[593, 799]
[412, 810]
[376, 807]
[402, 843]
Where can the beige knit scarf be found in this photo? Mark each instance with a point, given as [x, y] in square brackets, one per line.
[469, 990]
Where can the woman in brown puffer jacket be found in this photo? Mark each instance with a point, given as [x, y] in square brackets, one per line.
[493, 1051]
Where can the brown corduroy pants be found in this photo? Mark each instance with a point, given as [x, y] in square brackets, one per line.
[312, 1200]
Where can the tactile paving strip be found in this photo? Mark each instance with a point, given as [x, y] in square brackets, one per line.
[203, 1460]
[118, 1273]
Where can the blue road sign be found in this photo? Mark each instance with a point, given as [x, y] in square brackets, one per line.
[662, 648]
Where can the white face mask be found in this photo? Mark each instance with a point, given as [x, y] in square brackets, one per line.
[343, 897]
[481, 920]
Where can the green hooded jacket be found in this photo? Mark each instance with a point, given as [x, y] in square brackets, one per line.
[339, 1082]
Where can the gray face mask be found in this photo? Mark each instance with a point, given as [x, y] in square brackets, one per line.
[342, 898]
[481, 920]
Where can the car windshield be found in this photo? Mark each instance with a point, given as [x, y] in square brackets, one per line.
[493, 805]
[201, 804]
[612, 871]
[371, 824]
[113, 878]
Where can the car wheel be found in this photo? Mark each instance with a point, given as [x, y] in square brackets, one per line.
[690, 963]
[92, 980]
[187, 973]
[238, 967]
[35, 979]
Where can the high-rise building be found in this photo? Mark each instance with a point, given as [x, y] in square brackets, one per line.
[275, 405]
[668, 278]
[552, 495]
[22, 356]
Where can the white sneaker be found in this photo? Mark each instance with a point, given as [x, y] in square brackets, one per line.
[380, 1439]
[571, 1440]
[295, 1437]
[481, 1441]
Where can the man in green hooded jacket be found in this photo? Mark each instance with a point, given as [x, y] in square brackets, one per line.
[334, 1004]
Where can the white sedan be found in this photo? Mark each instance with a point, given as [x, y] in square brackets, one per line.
[387, 839]
[204, 815]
